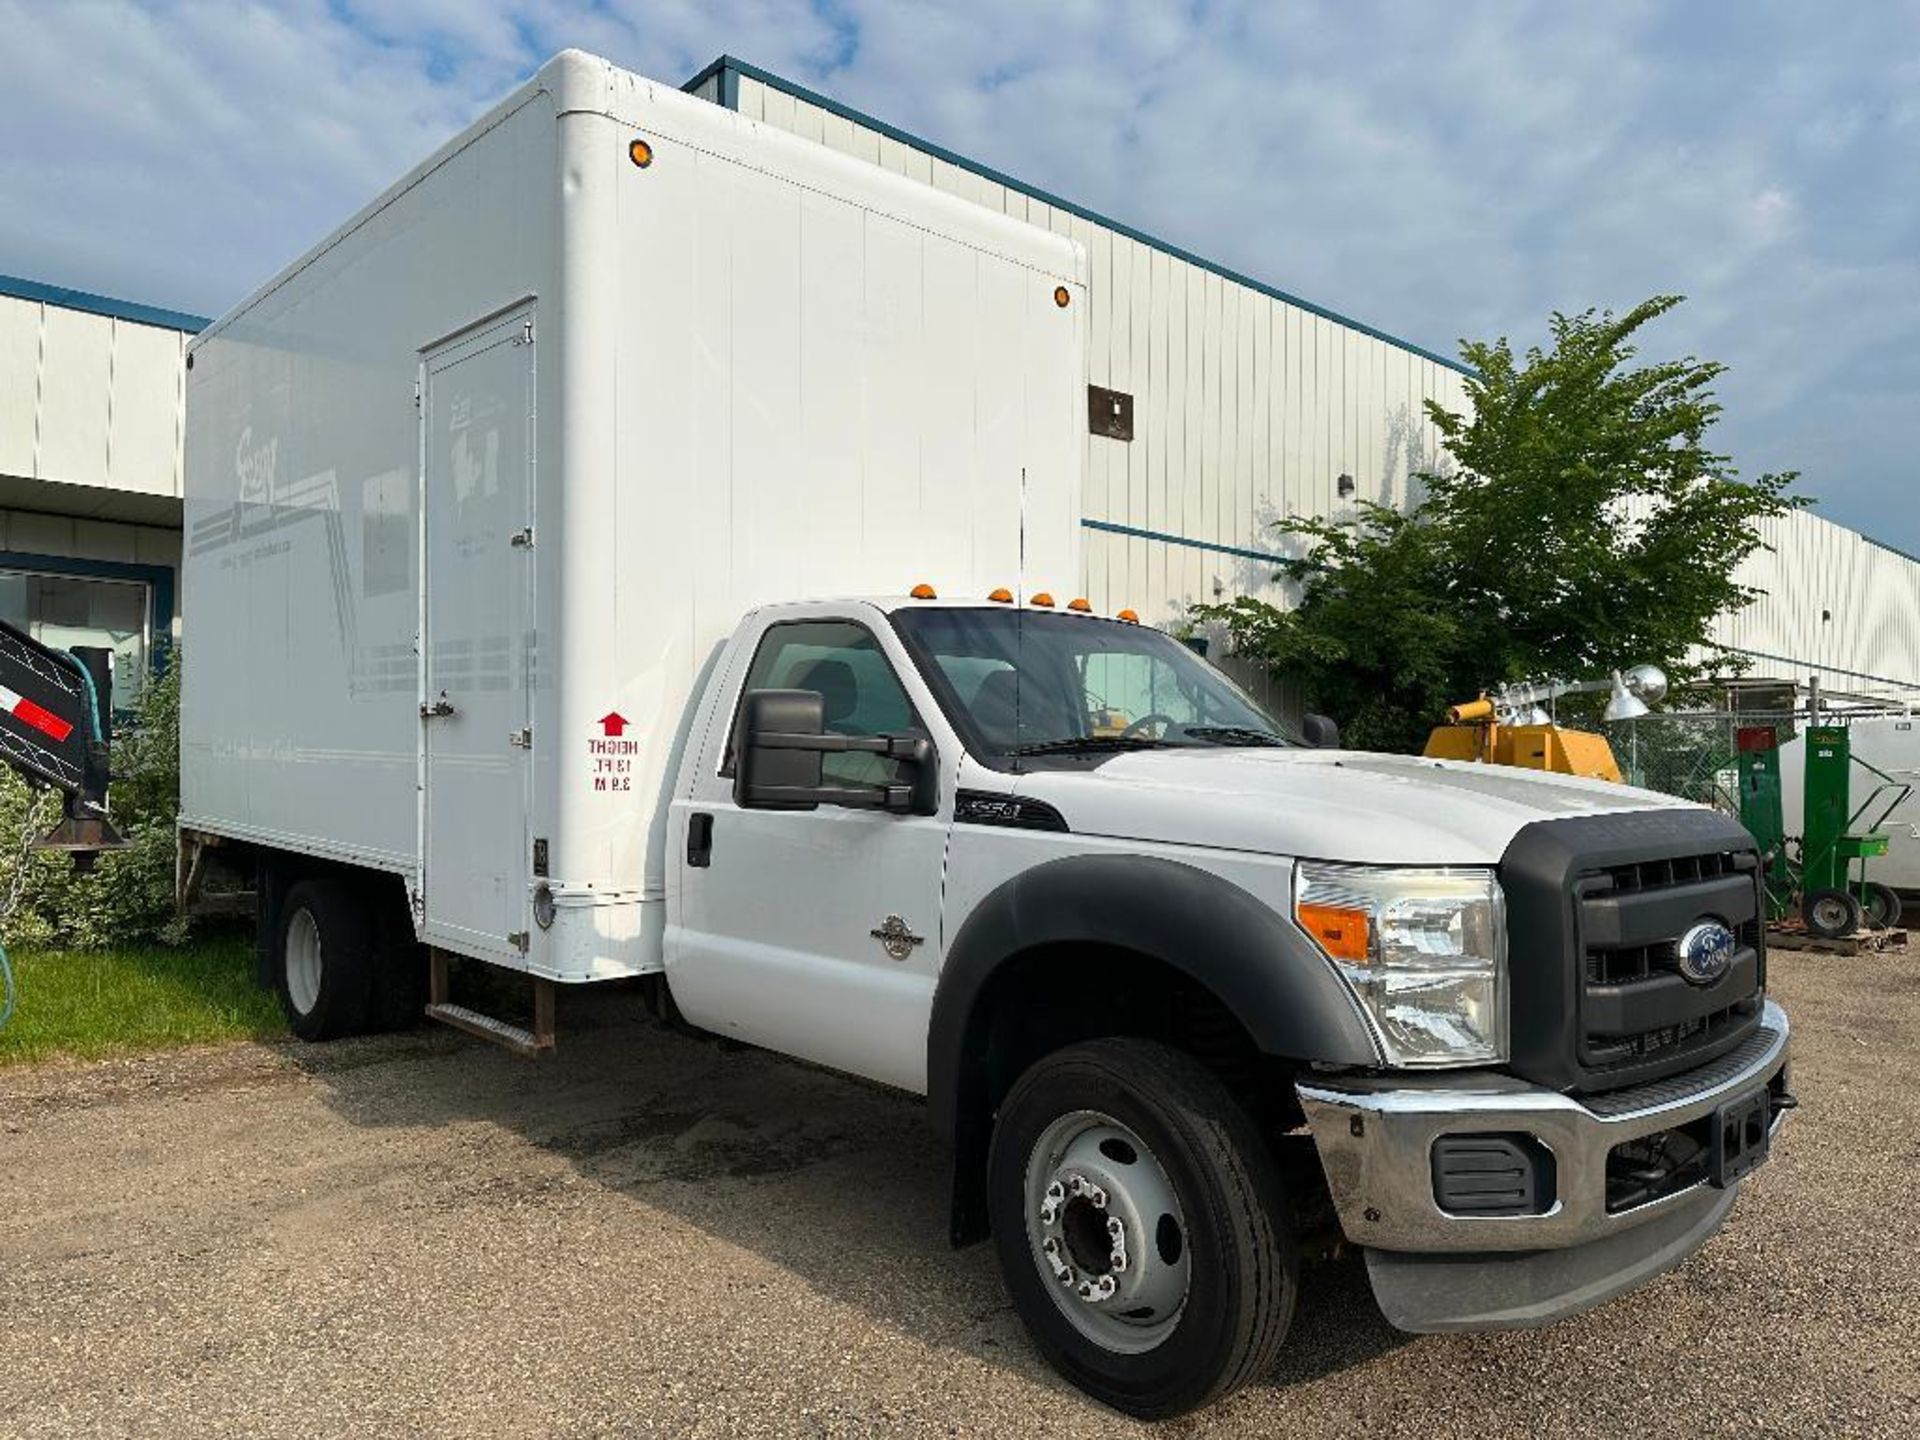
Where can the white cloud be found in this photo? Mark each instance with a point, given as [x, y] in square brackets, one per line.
[1436, 170]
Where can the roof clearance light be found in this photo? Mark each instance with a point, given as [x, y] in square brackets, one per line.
[923, 592]
[1062, 296]
[1132, 617]
[1043, 600]
[641, 153]
[1080, 604]
[1002, 596]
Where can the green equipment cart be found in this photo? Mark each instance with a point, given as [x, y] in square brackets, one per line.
[1825, 871]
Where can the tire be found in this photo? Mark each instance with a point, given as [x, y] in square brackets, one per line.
[399, 1000]
[324, 952]
[1220, 1241]
[1880, 905]
[1831, 914]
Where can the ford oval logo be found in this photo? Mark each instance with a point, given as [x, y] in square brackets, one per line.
[1706, 952]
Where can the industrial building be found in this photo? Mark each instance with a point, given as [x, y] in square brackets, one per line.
[1217, 405]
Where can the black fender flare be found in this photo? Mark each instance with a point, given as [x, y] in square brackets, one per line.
[1259, 964]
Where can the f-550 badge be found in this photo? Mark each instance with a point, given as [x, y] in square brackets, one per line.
[895, 938]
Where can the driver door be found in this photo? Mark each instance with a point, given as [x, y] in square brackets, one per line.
[813, 932]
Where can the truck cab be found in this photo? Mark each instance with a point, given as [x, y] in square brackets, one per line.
[1190, 997]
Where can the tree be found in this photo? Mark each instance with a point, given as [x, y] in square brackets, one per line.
[1583, 525]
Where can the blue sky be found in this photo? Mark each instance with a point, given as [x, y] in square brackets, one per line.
[1436, 170]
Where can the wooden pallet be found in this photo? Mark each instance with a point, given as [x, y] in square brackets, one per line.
[1793, 935]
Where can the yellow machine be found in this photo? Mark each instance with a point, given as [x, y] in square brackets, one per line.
[1510, 727]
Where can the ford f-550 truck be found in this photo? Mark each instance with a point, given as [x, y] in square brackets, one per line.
[504, 505]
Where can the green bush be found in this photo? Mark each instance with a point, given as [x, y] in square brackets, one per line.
[128, 895]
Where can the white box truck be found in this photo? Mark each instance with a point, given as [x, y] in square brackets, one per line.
[640, 543]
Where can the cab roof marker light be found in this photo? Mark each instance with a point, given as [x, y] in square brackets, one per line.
[924, 591]
[1002, 596]
[1132, 617]
[1080, 605]
[1043, 600]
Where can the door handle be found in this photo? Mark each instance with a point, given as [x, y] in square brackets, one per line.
[700, 840]
[438, 710]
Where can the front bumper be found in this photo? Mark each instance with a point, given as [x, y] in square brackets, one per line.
[1376, 1142]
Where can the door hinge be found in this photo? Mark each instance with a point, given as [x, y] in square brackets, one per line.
[521, 739]
[521, 539]
[518, 940]
[416, 397]
[526, 333]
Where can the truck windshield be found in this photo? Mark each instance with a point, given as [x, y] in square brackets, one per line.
[1017, 683]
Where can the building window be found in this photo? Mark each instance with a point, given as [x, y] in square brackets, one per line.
[70, 610]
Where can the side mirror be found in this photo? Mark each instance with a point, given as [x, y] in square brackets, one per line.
[1320, 732]
[777, 749]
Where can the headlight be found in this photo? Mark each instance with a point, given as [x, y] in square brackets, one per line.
[1425, 952]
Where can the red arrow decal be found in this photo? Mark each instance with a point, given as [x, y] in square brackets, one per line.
[613, 723]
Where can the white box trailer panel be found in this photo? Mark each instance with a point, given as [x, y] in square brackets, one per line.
[1892, 743]
[629, 403]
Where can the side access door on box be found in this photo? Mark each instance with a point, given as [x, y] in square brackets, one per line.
[476, 701]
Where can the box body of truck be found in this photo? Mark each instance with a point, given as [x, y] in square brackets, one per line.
[476, 488]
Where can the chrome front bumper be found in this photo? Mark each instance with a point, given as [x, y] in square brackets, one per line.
[1376, 1146]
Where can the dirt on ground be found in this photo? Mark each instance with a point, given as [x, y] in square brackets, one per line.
[648, 1233]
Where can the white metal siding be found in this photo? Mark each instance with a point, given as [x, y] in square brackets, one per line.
[1246, 409]
[1814, 568]
[89, 399]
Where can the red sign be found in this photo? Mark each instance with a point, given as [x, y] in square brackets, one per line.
[613, 723]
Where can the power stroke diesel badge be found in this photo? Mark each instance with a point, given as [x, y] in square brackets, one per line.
[895, 938]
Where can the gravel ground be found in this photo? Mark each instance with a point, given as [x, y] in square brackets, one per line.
[650, 1234]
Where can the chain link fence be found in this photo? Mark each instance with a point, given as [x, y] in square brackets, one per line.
[1691, 756]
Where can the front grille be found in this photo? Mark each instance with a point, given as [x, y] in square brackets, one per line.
[1636, 1009]
[1643, 962]
[1595, 907]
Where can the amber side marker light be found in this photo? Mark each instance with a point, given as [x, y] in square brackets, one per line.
[641, 153]
[1043, 600]
[1132, 617]
[923, 592]
[1002, 596]
[1080, 605]
[1341, 931]
[1062, 296]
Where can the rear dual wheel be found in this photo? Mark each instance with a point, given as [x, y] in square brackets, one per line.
[326, 959]
[1140, 1226]
[348, 961]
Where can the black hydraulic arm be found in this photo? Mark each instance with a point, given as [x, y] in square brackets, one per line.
[56, 719]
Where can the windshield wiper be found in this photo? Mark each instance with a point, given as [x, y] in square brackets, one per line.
[1235, 735]
[1073, 743]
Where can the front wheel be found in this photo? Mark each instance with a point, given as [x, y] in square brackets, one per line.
[1140, 1226]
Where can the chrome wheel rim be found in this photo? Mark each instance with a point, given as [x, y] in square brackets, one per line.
[303, 961]
[1107, 1233]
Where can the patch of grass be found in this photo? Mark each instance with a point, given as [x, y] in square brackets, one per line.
[91, 1003]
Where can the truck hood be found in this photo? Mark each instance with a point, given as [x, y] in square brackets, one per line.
[1323, 804]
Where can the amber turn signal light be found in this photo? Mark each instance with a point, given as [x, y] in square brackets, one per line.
[1341, 930]
[640, 152]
